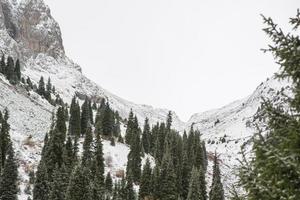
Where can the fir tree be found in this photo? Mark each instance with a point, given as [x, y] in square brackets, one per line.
[85, 116]
[274, 171]
[130, 194]
[168, 189]
[75, 124]
[194, 187]
[18, 70]
[130, 128]
[145, 191]
[59, 184]
[79, 187]
[107, 122]
[134, 160]
[9, 71]
[87, 154]
[2, 64]
[41, 188]
[108, 183]
[146, 136]
[216, 189]
[9, 177]
[41, 87]
[4, 138]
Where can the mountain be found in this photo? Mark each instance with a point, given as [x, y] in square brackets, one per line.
[29, 32]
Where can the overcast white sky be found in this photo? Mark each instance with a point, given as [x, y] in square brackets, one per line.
[184, 55]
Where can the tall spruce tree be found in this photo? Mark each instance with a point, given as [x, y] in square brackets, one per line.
[41, 187]
[79, 187]
[216, 189]
[146, 136]
[41, 88]
[75, 124]
[85, 116]
[145, 191]
[273, 173]
[130, 128]
[9, 177]
[4, 138]
[194, 187]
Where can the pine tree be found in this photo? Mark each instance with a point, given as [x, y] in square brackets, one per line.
[107, 122]
[2, 64]
[75, 124]
[41, 87]
[9, 68]
[68, 155]
[85, 116]
[98, 171]
[168, 189]
[194, 186]
[79, 187]
[156, 183]
[48, 90]
[41, 188]
[130, 193]
[108, 183]
[145, 191]
[146, 136]
[130, 128]
[216, 189]
[274, 171]
[59, 184]
[169, 121]
[18, 70]
[9, 177]
[134, 160]
[61, 123]
[87, 154]
[4, 138]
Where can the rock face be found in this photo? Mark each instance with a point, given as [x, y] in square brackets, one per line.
[30, 26]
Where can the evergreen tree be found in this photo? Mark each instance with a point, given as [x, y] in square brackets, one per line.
[79, 187]
[130, 128]
[216, 189]
[48, 90]
[117, 124]
[59, 184]
[130, 194]
[41, 87]
[61, 123]
[146, 136]
[108, 183]
[98, 171]
[85, 116]
[75, 124]
[4, 138]
[2, 64]
[87, 154]
[168, 189]
[9, 177]
[9, 68]
[69, 159]
[18, 70]
[41, 188]
[169, 121]
[29, 83]
[194, 187]
[274, 171]
[107, 122]
[145, 191]
[134, 160]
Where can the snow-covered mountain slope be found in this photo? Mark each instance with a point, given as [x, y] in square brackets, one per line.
[28, 32]
[227, 128]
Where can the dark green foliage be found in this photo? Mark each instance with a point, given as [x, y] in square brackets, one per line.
[41, 188]
[59, 184]
[130, 128]
[61, 122]
[146, 184]
[85, 116]
[194, 187]
[130, 193]
[9, 70]
[9, 177]
[107, 122]
[79, 187]
[68, 155]
[4, 138]
[98, 172]
[274, 171]
[41, 88]
[87, 154]
[2, 64]
[108, 183]
[168, 189]
[75, 120]
[134, 159]
[146, 136]
[216, 189]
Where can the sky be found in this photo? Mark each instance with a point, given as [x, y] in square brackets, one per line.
[185, 55]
